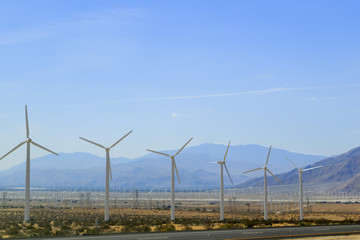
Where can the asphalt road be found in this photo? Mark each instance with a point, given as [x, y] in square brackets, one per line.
[255, 233]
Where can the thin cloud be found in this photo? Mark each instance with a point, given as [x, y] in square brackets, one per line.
[174, 115]
[255, 92]
[217, 95]
[76, 23]
[320, 99]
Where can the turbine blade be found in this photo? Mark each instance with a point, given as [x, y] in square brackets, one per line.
[304, 170]
[273, 175]
[177, 173]
[228, 174]
[253, 170]
[267, 160]
[292, 163]
[120, 139]
[44, 148]
[152, 190]
[27, 123]
[93, 143]
[158, 152]
[227, 151]
[13, 149]
[182, 148]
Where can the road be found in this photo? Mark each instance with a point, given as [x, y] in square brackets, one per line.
[238, 234]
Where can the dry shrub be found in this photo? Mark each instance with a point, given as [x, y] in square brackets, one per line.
[165, 228]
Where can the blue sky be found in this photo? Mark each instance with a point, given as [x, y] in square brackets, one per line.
[284, 73]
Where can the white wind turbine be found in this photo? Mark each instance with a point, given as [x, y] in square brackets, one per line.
[173, 166]
[27, 178]
[108, 171]
[223, 164]
[301, 186]
[265, 183]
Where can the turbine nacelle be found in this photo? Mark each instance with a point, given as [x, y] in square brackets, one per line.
[172, 156]
[107, 149]
[222, 163]
[265, 167]
[301, 170]
[28, 139]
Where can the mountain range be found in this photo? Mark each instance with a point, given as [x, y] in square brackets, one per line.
[84, 170]
[338, 174]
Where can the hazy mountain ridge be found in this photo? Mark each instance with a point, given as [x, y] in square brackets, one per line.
[77, 160]
[339, 173]
[87, 170]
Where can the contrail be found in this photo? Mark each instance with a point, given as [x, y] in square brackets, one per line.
[216, 95]
[252, 92]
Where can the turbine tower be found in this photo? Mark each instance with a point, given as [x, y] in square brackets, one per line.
[301, 193]
[108, 171]
[173, 166]
[223, 164]
[27, 178]
[265, 183]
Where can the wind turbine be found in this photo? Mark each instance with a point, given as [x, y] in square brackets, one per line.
[108, 171]
[173, 166]
[223, 164]
[265, 183]
[27, 178]
[301, 170]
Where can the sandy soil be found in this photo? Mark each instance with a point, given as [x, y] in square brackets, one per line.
[348, 237]
[195, 219]
[329, 211]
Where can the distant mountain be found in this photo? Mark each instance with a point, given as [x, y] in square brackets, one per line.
[77, 160]
[338, 173]
[87, 170]
[239, 159]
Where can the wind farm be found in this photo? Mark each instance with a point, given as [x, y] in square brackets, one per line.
[197, 206]
[162, 87]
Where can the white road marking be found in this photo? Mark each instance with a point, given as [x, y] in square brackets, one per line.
[153, 238]
[251, 232]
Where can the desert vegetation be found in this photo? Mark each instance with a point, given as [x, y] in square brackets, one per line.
[60, 222]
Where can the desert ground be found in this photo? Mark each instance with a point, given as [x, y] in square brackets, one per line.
[348, 237]
[77, 221]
